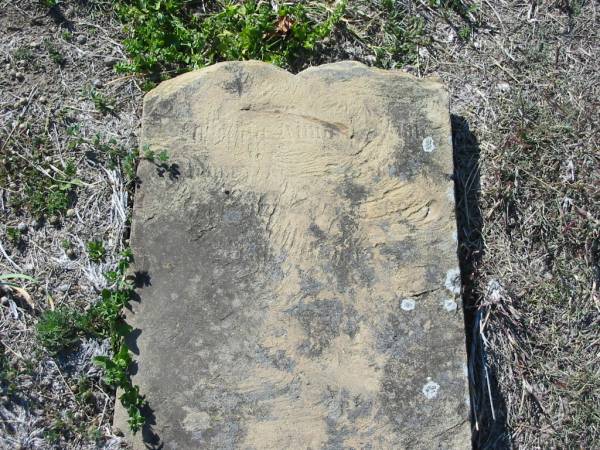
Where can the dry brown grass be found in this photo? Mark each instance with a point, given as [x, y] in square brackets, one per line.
[524, 82]
[48, 119]
[528, 87]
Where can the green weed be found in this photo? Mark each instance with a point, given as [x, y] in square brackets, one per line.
[465, 33]
[96, 251]
[6, 280]
[55, 55]
[8, 374]
[102, 104]
[166, 37]
[106, 317]
[129, 164]
[401, 33]
[13, 235]
[63, 328]
[59, 330]
[160, 157]
[118, 156]
[44, 190]
[23, 54]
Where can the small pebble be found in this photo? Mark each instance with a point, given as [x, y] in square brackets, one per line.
[22, 227]
[63, 288]
[81, 39]
[70, 212]
[370, 59]
[110, 61]
[22, 126]
[4, 300]
[54, 220]
[34, 44]
[98, 84]
[503, 87]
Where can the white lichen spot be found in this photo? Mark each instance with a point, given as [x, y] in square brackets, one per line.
[428, 145]
[195, 421]
[453, 281]
[495, 291]
[430, 390]
[450, 305]
[408, 304]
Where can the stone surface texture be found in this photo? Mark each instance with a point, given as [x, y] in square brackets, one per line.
[299, 257]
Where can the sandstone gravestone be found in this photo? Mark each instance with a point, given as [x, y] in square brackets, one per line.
[300, 253]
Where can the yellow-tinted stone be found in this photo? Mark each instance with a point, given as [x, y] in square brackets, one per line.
[300, 256]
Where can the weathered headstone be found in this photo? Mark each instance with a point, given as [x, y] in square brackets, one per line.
[300, 252]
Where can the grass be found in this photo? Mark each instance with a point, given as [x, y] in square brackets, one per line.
[102, 104]
[535, 259]
[168, 37]
[59, 330]
[46, 189]
[55, 54]
[96, 251]
[165, 38]
[13, 235]
[62, 329]
[549, 222]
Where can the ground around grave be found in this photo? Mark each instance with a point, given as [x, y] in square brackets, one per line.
[523, 82]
